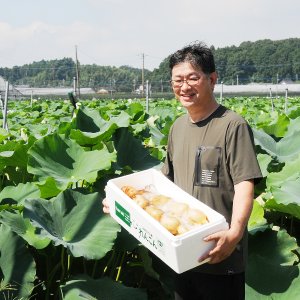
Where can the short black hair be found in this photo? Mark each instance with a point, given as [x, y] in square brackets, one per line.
[196, 53]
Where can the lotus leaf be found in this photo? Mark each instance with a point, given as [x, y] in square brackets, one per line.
[76, 221]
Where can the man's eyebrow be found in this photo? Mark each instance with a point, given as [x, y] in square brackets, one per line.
[189, 74]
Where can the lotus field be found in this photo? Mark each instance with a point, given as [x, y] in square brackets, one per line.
[55, 160]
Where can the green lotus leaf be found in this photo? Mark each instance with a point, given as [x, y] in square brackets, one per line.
[105, 288]
[294, 113]
[76, 221]
[277, 127]
[147, 262]
[293, 126]
[24, 229]
[156, 135]
[137, 113]
[20, 192]
[3, 134]
[163, 112]
[90, 128]
[257, 222]
[273, 204]
[48, 188]
[285, 150]
[17, 266]
[286, 198]
[90, 120]
[65, 161]
[39, 130]
[271, 273]
[292, 292]
[131, 152]
[138, 127]
[87, 120]
[121, 120]
[285, 189]
[290, 172]
[13, 154]
[134, 108]
[16, 175]
[92, 138]
[288, 192]
[264, 160]
[126, 241]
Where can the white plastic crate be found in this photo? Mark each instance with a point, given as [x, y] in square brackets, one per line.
[181, 253]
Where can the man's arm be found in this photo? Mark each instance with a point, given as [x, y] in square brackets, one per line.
[227, 240]
[242, 207]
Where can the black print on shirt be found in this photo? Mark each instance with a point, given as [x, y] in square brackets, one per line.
[207, 165]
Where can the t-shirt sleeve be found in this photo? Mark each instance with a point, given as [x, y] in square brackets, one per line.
[241, 156]
[167, 168]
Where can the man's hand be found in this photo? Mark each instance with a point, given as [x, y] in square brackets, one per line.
[105, 206]
[226, 242]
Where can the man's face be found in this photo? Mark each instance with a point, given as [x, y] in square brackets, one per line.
[197, 87]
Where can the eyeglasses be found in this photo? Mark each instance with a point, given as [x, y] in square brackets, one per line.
[179, 82]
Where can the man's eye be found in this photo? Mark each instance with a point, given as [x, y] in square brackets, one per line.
[193, 79]
[178, 81]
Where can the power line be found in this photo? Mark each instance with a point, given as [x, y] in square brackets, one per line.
[77, 74]
[256, 66]
[96, 66]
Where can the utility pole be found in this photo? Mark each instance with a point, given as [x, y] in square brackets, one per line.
[286, 101]
[277, 80]
[147, 96]
[143, 66]
[221, 92]
[271, 97]
[77, 73]
[4, 112]
[74, 85]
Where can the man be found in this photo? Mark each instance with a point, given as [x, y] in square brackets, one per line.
[211, 156]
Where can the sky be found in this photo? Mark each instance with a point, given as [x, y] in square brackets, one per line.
[116, 32]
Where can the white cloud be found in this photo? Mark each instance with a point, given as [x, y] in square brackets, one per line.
[116, 32]
[39, 40]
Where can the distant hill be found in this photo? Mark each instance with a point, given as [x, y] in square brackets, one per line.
[260, 61]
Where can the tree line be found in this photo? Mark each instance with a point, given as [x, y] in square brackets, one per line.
[260, 61]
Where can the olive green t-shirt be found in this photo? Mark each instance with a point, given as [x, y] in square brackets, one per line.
[206, 159]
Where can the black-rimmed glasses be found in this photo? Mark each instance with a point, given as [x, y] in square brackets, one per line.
[176, 83]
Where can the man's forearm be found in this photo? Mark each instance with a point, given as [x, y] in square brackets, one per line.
[242, 207]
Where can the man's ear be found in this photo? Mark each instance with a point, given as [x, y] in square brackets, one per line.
[213, 78]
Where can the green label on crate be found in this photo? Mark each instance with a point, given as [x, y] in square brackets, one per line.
[122, 213]
[138, 230]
